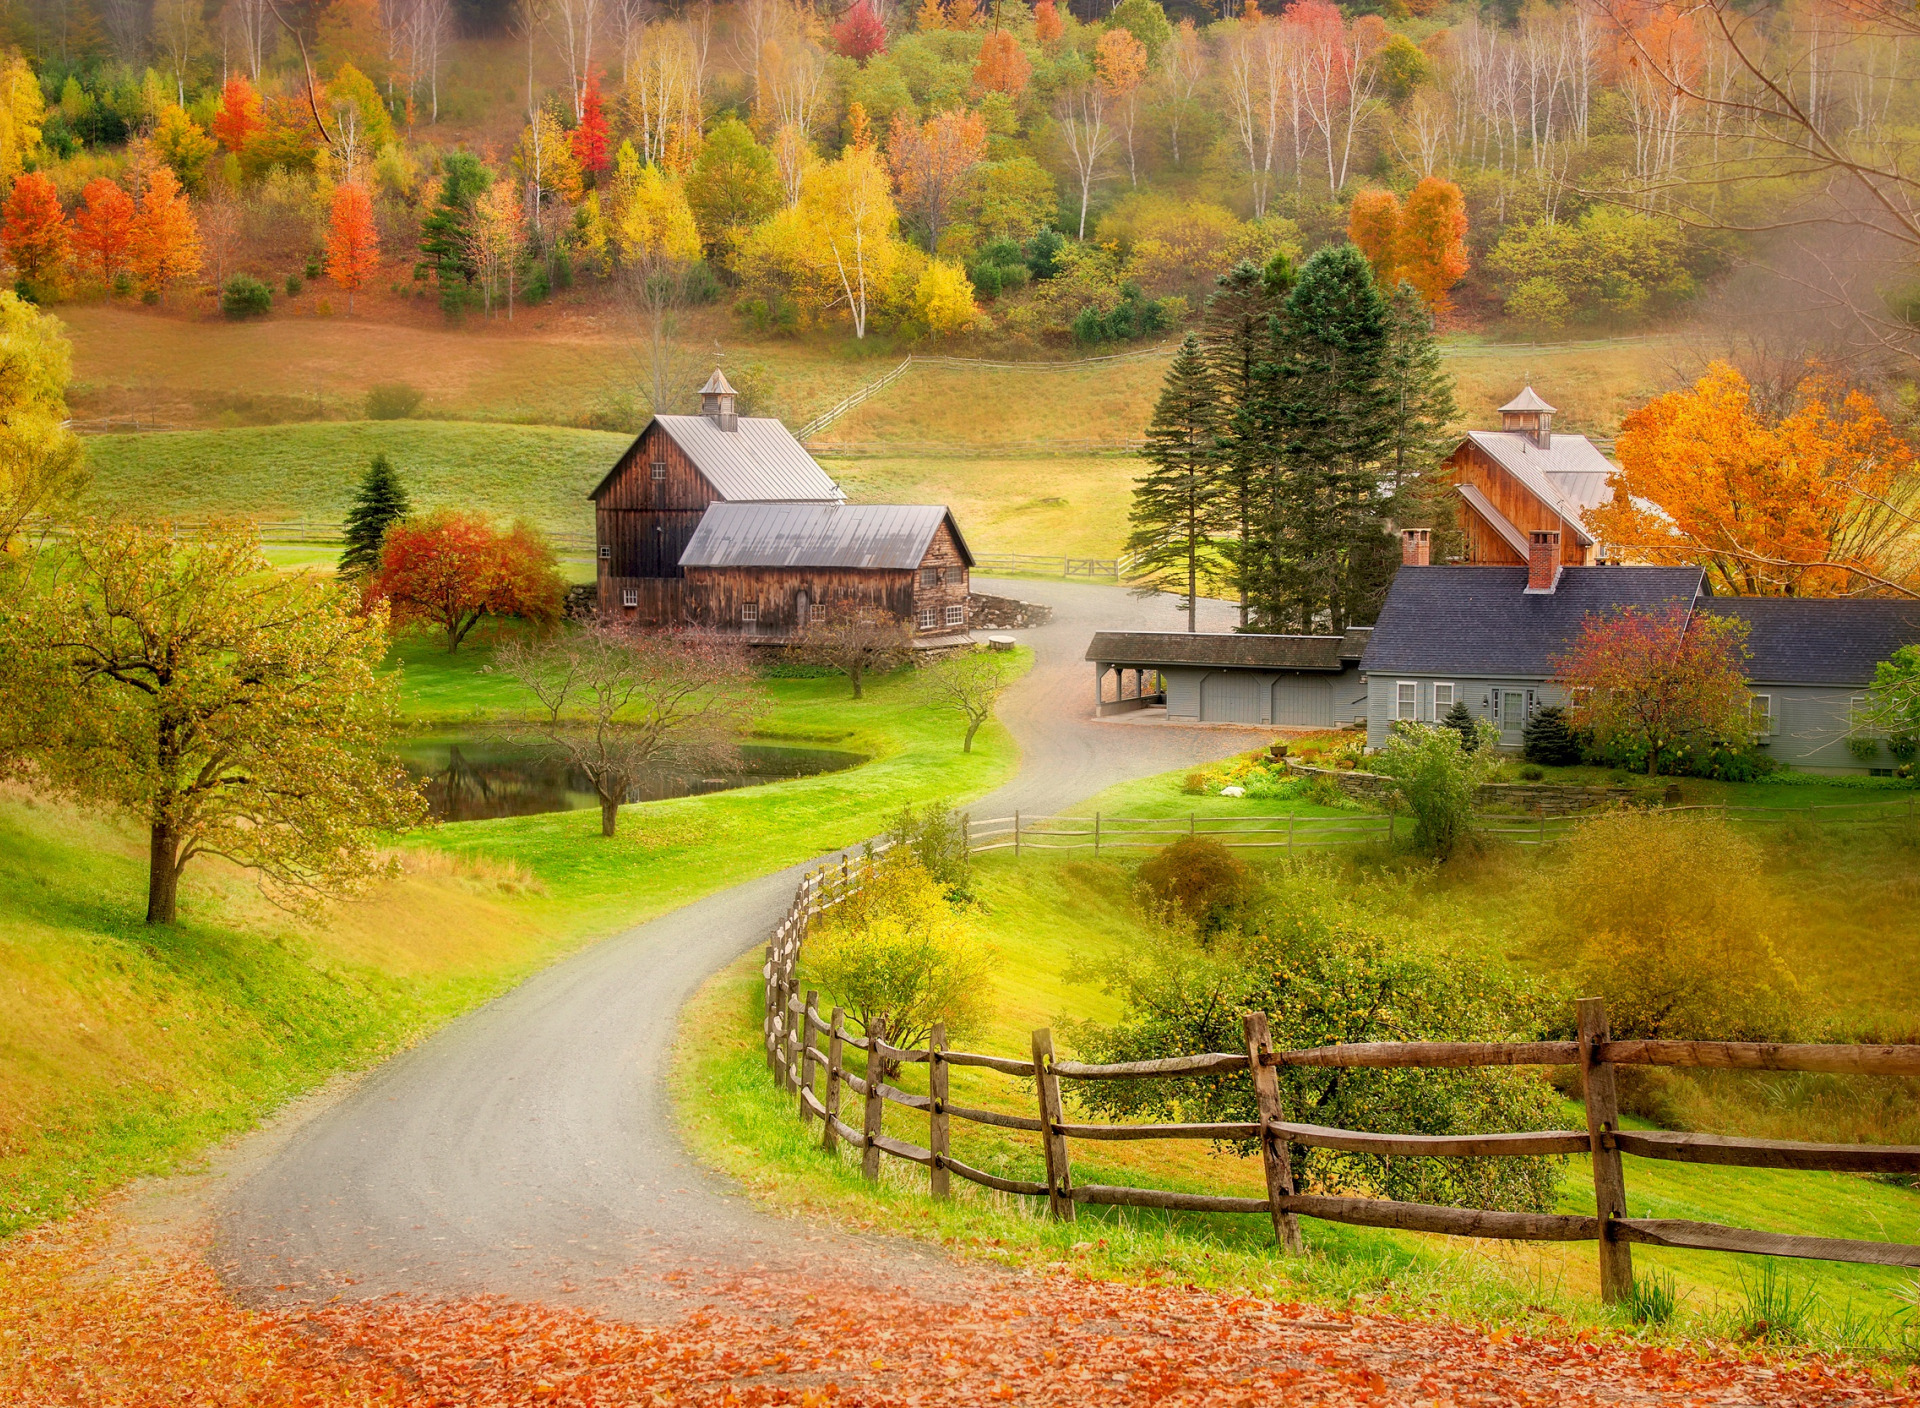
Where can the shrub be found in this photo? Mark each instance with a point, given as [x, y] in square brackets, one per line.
[1668, 918]
[1435, 774]
[1200, 881]
[313, 267]
[937, 837]
[896, 947]
[1864, 748]
[392, 400]
[294, 285]
[1531, 774]
[245, 297]
[1460, 719]
[1044, 253]
[1904, 746]
[1327, 965]
[1548, 738]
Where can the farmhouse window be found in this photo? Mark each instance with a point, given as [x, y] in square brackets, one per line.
[606, 551]
[630, 596]
[1442, 700]
[927, 619]
[659, 470]
[1406, 699]
[956, 615]
[929, 576]
[817, 612]
[749, 613]
[1762, 715]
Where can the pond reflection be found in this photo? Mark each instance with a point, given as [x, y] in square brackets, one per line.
[476, 777]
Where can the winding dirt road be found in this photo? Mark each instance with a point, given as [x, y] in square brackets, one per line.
[527, 1150]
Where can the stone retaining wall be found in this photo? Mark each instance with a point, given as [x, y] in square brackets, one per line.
[1004, 613]
[1538, 798]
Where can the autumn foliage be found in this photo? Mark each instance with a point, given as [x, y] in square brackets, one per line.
[450, 570]
[103, 228]
[1802, 503]
[1423, 241]
[1047, 24]
[238, 117]
[166, 240]
[35, 231]
[591, 148]
[861, 32]
[353, 241]
[931, 160]
[1003, 66]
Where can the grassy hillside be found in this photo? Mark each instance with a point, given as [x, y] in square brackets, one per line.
[124, 1049]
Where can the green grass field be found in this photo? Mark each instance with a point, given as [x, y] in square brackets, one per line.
[125, 1049]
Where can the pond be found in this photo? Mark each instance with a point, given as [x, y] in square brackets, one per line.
[477, 776]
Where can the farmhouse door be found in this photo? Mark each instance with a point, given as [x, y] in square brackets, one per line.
[1513, 717]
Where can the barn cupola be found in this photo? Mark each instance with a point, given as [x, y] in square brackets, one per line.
[1528, 415]
[716, 401]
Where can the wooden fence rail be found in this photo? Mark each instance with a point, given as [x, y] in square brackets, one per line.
[818, 1079]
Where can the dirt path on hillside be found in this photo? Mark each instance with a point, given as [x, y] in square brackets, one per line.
[528, 1149]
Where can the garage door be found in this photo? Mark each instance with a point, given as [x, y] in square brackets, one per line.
[1304, 702]
[1231, 697]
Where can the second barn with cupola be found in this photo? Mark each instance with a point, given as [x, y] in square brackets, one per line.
[723, 524]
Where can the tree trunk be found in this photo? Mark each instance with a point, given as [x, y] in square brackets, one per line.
[853, 673]
[609, 815]
[163, 873]
[972, 729]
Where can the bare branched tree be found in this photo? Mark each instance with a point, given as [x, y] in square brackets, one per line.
[857, 643]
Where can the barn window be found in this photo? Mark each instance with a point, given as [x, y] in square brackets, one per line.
[606, 552]
[927, 619]
[817, 612]
[929, 576]
[1406, 699]
[1442, 700]
[659, 470]
[630, 596]
[749, 613]
[956, 615]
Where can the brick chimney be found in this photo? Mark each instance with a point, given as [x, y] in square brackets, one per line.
[1543, 561]
[1415, 546]
[716, 401]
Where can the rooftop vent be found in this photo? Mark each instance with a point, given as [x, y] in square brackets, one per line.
[1528, 414]
[716, 401]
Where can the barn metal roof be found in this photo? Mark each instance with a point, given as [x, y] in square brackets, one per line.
[1235, 650]
[1569, 476]
[876, 536]
[758, 462]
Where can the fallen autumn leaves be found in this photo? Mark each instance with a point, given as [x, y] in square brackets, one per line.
[88, 1318]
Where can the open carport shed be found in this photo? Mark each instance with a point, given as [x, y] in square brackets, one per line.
[1278, 681]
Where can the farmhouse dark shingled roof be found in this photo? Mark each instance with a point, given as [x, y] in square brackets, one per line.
[876, 536]
[1808, 640]
[1478, 621]
[1328, 653]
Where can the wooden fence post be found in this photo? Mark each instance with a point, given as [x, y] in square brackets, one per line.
[1016, 833]
[876, 1108]
[1289, 835]
[1096, 833]
[1054, 1143]
[938, 1179]
[806, 1049]
[766, 1025]
[1609, 1177]
[790, 1050]
[836, 1068]
[1273, 1147]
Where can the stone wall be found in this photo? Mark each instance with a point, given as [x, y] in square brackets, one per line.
[1004, 613]
[1533, 798]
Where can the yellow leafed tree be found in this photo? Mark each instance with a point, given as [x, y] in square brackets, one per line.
[838, 247]
[41, 467]
[22, 109]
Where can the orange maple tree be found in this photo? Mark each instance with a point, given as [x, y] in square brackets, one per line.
[1003, 67]
[450, 570]
[238, 116]
[353, 241]
[103, 228]
[1047, 24]
[930, 163]
[1423, 241]
[1807, 503]
[1373, 223]
[165, 247]
[35, 231]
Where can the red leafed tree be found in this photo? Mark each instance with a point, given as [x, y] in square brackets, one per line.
[1047, 24]
[166, 240]
[238, 116]
[590, 146]
[103, 228]
[1433, 240]
[1659, 685]
[353, 241]
[861, 33]
[36, 227]
[449, 570]
[1373, 223]
[1003, 67]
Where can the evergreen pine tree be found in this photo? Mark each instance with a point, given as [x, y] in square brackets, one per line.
[1460, 719]
[1327, 554]
[1420, 408]
[446, 234]
[1237, 334]
[378, 504]
[1177, 504]
[1548, 738]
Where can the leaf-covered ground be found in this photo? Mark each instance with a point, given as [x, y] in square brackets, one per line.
[93, 1314]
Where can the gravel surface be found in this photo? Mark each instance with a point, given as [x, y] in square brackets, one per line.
[528, 1149]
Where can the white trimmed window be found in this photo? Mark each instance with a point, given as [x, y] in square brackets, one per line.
[927, 619]
[630, 596]
[817, 611]
[659, 470]
[1762, 715]
[956, 615]
[1442, 700]
[1406, 699]
[749, 613]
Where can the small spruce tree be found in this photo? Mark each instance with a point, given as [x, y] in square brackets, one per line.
[1460, 719]
[1177, 505]
[378, 504]
[1548, 738]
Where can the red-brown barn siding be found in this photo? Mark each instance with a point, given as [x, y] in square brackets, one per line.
[642, 527]
[715, 595]
[1471, 465]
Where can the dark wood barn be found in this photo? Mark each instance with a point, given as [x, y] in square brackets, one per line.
[764, 572]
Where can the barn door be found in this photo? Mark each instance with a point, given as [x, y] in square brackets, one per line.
[1231, 697]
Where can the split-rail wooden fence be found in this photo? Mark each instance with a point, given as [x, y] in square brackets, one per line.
[818, 1077]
